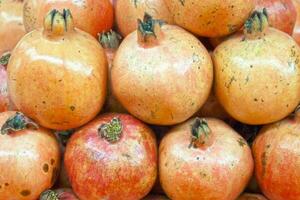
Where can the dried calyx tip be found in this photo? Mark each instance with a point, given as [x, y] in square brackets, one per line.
[5, 58]
[17, 122]
[110, 39]
[149, 26]
[112, 130]
[49, 195]
[200, 132]
[257, 22]
[56, 23]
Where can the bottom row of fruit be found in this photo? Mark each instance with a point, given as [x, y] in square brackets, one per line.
[118, 157]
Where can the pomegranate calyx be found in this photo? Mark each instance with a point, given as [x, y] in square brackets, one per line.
[200, 133]
[17, 122]
[112, 130]
[49, 195]
[256, 24]
[149, 29]
[4, 59]
[110, 39]
[57, 23]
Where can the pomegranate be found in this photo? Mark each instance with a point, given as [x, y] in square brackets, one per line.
[57, 75]
[210, 18]
[257, 74]
[113, 157]
[91, 16]
[200, 158]
[29, 159]
[276, 154]
[156, 56]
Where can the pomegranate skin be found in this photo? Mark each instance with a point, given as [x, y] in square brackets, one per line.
[123, 170]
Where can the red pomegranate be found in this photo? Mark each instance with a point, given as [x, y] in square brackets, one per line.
[113, 157]
[276, 155]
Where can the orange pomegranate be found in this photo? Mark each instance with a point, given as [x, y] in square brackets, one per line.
[210, 18]
[204, 159]
[57, 75]
[113, 157]
[161, 74]
[11, 24]
[29, 159]
[296, 33]
[257, 74]
[276, 154]
[247, 196]
[110, 41]
[128, 12]
[91, 16]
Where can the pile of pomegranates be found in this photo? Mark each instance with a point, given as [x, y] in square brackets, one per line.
[149, 100]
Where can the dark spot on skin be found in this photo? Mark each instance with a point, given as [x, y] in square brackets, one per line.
[126, 155]
[54, 175]
[251, 66]
[203, 175]
[6, 184]
[46, 167]
[44, 102]
[241, 142]
[166, 164]
[72, 108]
[25, 193]
[255, 99]
[60, 80]
[0, 186]
[198, 158]
[52, 161]
[287, 105]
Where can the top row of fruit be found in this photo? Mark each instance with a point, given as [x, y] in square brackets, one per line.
[207, 18]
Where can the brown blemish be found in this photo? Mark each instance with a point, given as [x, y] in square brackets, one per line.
[6, 184]
[46, 167]
[25, 193]
[52, 161]
[241, 142]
